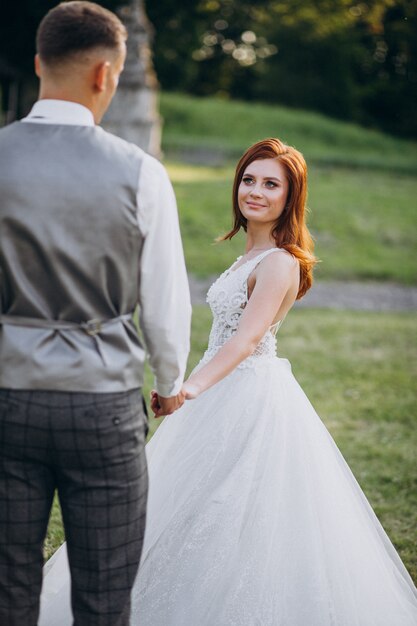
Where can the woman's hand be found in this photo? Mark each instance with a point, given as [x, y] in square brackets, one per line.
[191, 390]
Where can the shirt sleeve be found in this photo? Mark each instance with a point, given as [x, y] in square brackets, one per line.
[164, 295]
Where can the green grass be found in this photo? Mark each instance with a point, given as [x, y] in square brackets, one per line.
[226, 128]
[364, 222]
[358, 371]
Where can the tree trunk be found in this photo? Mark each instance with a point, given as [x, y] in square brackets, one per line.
[133, 113]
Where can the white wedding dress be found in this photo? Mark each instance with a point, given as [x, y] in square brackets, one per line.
[254, 517]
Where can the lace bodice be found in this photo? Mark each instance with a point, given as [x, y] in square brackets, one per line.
[227, 298]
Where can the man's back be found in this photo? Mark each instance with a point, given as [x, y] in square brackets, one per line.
[70, 250]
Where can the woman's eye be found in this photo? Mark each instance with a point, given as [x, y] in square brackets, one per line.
[270, 184]
[247, 180]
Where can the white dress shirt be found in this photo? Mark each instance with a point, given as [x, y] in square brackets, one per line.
[164, 296]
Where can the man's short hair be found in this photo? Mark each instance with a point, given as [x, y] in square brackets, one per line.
[77, 26]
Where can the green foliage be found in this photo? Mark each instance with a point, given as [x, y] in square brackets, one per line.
[350, 60]
[358, 369]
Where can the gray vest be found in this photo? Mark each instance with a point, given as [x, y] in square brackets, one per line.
[70, 250]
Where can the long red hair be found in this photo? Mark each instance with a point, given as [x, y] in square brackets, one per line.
[290, 230]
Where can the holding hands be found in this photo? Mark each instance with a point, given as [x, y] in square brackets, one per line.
[165, 406]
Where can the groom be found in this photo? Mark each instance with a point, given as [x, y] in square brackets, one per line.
[88, 230]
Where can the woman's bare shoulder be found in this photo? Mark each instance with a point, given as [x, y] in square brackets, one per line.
[279, 261]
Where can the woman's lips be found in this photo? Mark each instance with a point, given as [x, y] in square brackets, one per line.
[255, 205]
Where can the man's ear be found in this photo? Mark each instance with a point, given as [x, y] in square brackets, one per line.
[101, 72]
[37, 66]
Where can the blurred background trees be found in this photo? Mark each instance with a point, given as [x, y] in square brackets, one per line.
[346, 58]
[352, 60]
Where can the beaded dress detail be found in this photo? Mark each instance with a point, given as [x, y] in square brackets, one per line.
[227, 298]
[254, 517]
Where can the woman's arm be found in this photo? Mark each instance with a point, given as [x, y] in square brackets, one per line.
[274, 276]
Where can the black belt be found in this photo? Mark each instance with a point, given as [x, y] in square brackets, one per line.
[91, 327]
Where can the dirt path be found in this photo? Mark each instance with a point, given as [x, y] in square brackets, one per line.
[356, 296]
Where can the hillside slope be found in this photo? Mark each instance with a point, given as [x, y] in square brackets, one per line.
[221, 129]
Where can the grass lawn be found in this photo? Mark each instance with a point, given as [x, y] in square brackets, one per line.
[358, 371]
[226, 128]
[364, 221]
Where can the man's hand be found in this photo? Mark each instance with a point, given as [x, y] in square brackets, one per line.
[165, 406]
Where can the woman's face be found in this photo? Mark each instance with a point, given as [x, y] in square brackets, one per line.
[263, 191]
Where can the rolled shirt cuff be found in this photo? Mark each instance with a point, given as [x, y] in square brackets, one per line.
[166, 390]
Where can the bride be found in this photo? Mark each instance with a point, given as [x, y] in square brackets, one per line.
[254, 517]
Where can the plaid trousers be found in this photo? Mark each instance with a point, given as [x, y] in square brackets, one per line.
[90, 447]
